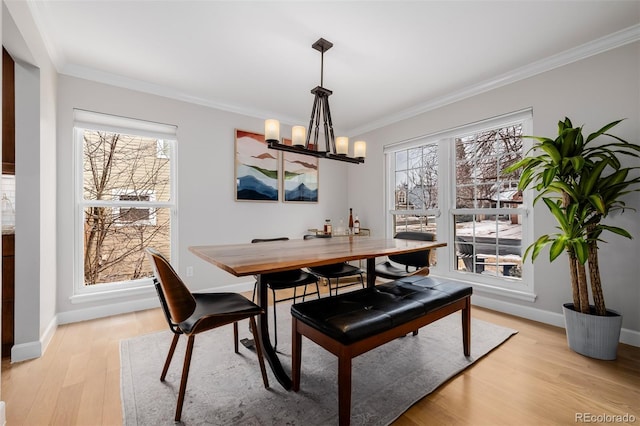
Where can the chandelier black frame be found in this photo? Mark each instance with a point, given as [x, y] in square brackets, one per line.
[320, 112]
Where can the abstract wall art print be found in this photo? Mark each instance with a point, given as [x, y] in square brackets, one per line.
[256, 168]
[299, 177]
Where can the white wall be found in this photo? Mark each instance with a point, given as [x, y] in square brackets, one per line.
[35, 267]
[208, 213]
[593, 92]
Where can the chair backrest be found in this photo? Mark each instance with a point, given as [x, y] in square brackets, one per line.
[278, 276]
[312, 236]
[266, 240]
[417, 259]
[177, 296]
[463, 248]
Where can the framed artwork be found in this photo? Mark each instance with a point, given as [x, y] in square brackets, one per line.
[256, 168]
[299, 177]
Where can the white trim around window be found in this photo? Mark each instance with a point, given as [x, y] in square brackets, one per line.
[521, 288]
[87, 120]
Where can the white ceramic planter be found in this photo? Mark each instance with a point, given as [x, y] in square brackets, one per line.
[592, 335]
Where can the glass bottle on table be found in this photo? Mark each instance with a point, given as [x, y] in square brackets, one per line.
[327, 227]
[350, 221]
[356, 226]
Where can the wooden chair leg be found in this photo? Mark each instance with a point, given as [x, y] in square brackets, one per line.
[235, 336]
[258, 346]
[296, 355]
[185, 376]
[344, 390]
[466, 327]
[167, 362]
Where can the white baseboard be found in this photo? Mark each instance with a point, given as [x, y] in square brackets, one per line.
[629, 337]
[31, 350]
[25, 351]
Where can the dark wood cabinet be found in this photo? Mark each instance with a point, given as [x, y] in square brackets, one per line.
[8, 291]
[8, 114]
[8, 167]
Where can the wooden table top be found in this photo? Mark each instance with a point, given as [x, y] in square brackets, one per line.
[259, 258]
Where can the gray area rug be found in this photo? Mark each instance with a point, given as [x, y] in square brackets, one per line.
[225, 388]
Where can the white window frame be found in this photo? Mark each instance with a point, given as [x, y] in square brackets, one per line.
[521, 289]
[89, 120]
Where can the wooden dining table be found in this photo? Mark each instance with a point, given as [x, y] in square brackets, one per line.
[257, 259]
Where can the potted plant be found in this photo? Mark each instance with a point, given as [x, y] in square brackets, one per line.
[582, 182]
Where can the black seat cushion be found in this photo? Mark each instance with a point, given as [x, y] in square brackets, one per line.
[391, 271]
[336, 270]
[431, 292]
[212, 306]
[353, 316]
[288, 279]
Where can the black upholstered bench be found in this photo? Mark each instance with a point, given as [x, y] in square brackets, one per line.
[353, 323]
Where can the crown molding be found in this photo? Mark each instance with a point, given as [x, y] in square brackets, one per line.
[38, 10]
[98, 76]
[603, 44]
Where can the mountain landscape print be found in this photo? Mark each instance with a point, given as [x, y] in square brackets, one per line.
[300, 177]
[256, 168]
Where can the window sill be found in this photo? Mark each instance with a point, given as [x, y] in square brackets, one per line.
[121, 293]
[521, 293]
[509, 293]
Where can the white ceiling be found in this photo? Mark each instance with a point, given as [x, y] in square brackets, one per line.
[390, 59]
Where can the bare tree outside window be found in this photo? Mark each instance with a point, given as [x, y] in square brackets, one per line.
[488, 242]
[123, 176]
[416, 188]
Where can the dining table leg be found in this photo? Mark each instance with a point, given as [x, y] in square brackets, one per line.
[267, 348]
[371, 272]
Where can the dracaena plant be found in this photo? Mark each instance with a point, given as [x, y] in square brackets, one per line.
[581, 181]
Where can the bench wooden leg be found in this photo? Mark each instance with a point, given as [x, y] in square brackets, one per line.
[296, 355]
[466, 327]
[344, 390]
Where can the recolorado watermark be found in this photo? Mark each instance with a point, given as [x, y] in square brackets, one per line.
[605, 418]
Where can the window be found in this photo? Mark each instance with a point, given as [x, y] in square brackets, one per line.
[460, 172]
[488, 231]
[125, 199]
[415, 189]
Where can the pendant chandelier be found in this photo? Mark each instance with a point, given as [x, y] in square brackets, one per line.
[336, 148]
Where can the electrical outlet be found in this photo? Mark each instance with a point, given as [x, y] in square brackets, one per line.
[189, 271]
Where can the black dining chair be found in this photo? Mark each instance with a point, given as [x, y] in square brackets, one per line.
[464, 250]
[335, 270]
[284, 280]
[404, 264]
[193, 313]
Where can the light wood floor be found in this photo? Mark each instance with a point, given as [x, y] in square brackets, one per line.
[532, 379]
